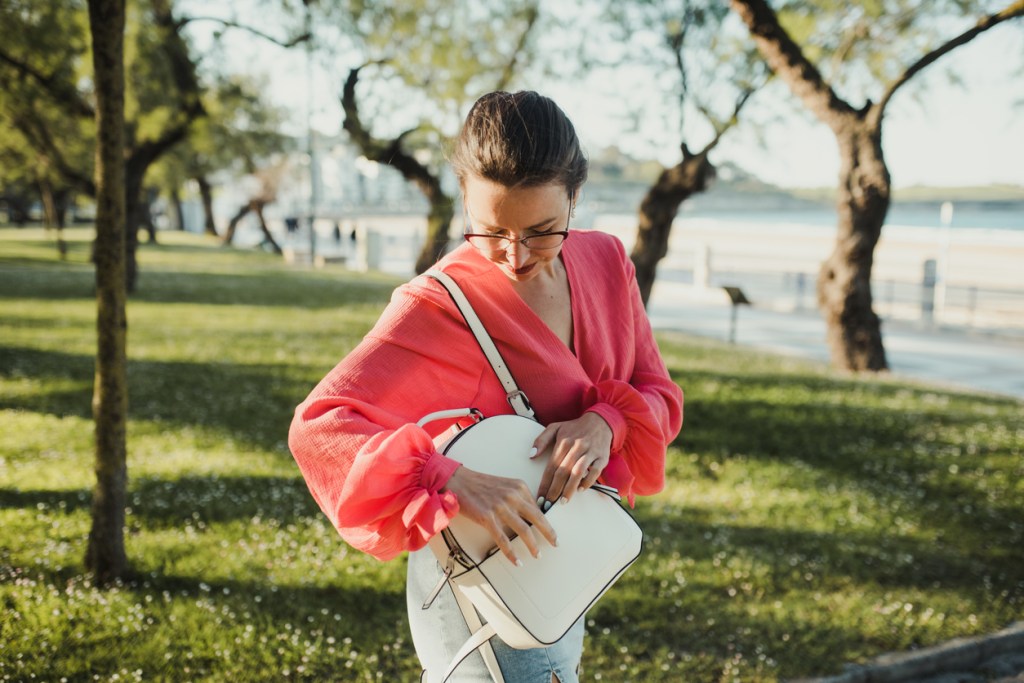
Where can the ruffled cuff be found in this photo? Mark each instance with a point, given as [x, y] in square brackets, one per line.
[615, 419]
[614, 400]
[398, 475]
[437, 470]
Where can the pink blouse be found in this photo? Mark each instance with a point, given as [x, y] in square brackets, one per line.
[377, 476]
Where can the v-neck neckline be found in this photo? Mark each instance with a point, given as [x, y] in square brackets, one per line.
[513, 299]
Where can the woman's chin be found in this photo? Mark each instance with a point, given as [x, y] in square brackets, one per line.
[519, 274]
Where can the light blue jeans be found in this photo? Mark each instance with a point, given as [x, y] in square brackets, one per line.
[439, 632]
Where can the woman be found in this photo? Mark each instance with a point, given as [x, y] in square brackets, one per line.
[564, 311]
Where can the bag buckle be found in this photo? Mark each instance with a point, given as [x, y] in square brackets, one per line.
[520, 403]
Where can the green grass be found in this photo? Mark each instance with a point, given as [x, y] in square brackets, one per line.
[810, 519]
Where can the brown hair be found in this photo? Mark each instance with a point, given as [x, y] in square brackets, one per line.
[519, 139]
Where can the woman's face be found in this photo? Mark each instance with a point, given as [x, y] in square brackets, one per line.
[517, 212]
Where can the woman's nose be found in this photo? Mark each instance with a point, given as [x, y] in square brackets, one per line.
[517, 254]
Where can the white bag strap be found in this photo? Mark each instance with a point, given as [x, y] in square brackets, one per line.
[516, 398]
[479, 639]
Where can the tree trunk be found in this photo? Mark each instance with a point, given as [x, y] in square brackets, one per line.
[853, 330]
[54, 211]
[268, 238]
[132, 205]
[49, 204]
[179, 211]
[146, 214]
[439, 221]
[658, 210]
[390, 152]
[229, 234]
[206, 192]
[105, 554]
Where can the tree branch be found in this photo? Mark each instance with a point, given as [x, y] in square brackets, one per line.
[388, 152]
[66, 96]
[183, 72]
[721, 127]
[788, 61]
[288, 43]
[41, 140]
[509, 72]
[1011, 11]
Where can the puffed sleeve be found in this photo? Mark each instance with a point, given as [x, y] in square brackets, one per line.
[374, 473]
[645, 410]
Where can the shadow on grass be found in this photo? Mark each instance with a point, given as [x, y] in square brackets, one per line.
[247, 287]
[856, 440]
[800, 560]
[159, 503]
[64, 500]
[253, 403]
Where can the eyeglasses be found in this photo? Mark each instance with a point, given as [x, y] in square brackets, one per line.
[537, 242]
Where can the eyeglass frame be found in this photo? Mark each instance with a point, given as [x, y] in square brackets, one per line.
[522, 240]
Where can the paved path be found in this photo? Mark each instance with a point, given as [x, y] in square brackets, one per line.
[953, 357]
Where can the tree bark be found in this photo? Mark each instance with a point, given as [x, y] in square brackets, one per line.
[844, 282]
[105, 554]
[853, 330]
[439, 220]
[229, 234]
[658, 210]
[179, 211]
[390, 152]
[134, 172]
[146, 214]
[268, 237]
[206, 192]
[49, 204]
[54, 212]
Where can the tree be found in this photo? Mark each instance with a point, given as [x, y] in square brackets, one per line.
[844, 281]
[161, 103]
[240, 134]
[268, 181]
[28, 169]
[105, 555]
[706, 67]
[433, 56]
[164, 96]
[26, 174]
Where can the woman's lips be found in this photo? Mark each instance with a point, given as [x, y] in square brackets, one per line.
[524, 270]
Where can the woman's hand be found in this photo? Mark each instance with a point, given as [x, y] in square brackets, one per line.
[504, 507]
[580, 451]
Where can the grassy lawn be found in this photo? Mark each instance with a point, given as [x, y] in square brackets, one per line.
[810, 518]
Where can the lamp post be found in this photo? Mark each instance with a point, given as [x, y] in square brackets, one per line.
[309, 128]
[942, 269]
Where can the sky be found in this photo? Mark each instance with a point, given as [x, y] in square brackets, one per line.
[936, 133]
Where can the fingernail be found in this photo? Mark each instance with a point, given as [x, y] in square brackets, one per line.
[538, 555]
[563, 500]
[533, 452]
[541, 502]
[547, 505]
[519, 563]
[581, 489]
